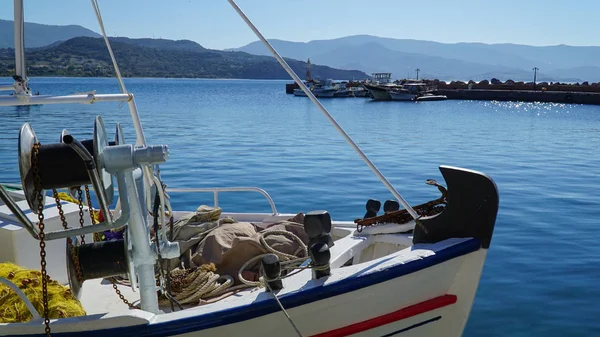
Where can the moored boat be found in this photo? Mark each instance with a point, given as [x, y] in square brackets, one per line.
[343, 92]
[339, 277]
[380, 86]
[320, 89]
[378, 92]
[402, 95]
[431, 97]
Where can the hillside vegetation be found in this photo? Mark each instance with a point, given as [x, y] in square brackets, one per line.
[86, 56]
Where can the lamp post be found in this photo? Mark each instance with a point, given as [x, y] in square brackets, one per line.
[417, 70]
[535, 69]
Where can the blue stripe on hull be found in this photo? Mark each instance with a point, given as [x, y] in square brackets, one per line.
[265, 307]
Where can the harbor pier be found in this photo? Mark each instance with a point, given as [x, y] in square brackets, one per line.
[522, 95]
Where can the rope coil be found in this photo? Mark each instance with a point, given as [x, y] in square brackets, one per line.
[192, 286]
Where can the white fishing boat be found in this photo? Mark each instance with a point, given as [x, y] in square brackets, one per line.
[409, 272]
[380, 86]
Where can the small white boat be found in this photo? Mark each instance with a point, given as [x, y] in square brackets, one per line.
[431, 97]
[410, 272]
[324, 92]
[323, 89]
[318, 92]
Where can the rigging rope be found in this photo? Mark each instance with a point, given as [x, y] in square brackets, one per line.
[287, 315]
[112, 56]
[312, 97]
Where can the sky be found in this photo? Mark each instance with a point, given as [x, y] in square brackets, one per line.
[214, 24]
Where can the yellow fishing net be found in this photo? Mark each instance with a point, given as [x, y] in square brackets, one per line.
[61, 302]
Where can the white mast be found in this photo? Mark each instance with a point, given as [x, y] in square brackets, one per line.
[20, 86]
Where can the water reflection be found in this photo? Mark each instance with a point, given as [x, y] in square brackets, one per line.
[19, 111]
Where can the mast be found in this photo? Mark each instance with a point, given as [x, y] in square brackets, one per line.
[20, 86]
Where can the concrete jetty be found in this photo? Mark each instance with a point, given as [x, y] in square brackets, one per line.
[522, 95]
[495, 90]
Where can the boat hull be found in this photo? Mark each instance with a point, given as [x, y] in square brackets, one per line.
[342, 93]
[414, 292]
[402, 96]
[299, 93]
[432, 98]
[378, 93]
[322, 93]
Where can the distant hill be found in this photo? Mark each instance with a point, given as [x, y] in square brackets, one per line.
[447, 61]
[38, 35]
[85, 56]
[162, 44]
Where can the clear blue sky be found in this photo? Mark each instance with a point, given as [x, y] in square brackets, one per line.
[214, 24]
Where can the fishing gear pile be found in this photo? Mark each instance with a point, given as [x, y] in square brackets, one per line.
[61, 301]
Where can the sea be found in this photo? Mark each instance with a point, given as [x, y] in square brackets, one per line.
[542, 273]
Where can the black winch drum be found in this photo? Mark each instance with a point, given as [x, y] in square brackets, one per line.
[59, 165]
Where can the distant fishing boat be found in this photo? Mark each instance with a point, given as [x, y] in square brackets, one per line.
[431, 97]
[323, 89]
[380, 85]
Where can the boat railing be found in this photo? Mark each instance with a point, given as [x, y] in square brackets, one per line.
[85, 98]
[47, 99]
[217, 190]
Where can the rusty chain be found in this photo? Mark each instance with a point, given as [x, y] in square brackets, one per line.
[114, 285]
[89, 203]
[71, 246]
[42, 235]
[74, 255]
[80, 205]
[97, 236]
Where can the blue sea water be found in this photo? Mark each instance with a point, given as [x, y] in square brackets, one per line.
[542, 274]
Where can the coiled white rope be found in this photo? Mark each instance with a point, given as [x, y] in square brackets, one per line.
[204, 282]
[201, 283]
[287, 261]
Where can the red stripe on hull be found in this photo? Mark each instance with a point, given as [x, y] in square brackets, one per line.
[403, 313]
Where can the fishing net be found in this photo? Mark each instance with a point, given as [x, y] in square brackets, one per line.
[61, 301]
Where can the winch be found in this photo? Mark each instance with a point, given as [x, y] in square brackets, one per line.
[73, 163]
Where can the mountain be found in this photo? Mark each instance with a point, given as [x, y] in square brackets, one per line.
[447, 61]
[372, 57]
[38, 35]
[85, 56]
